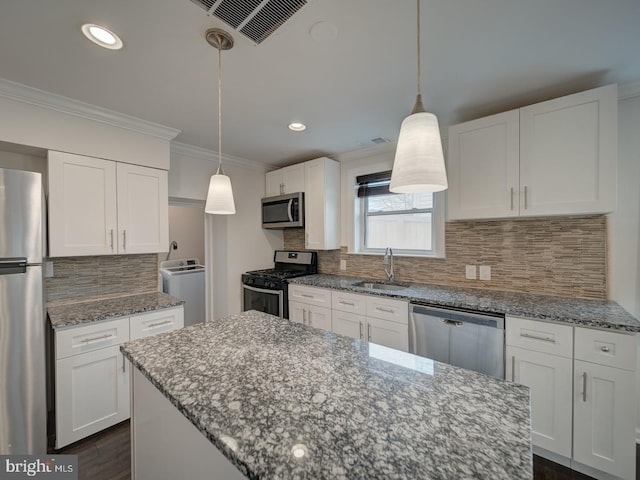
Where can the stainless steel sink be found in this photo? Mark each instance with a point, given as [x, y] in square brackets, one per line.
[380, 286]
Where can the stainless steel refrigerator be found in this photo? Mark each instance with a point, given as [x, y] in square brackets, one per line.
[23, 409]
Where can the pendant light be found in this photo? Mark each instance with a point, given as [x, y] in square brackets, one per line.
[220, 195]
[418, 166]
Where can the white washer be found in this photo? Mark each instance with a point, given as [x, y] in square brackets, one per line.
[185, 279]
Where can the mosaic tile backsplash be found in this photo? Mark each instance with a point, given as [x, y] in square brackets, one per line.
[558, 256]
[81, 278]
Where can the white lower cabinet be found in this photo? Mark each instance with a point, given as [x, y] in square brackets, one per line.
[92, 376]
[549, 378]
[582, 384]
[604, 402]
[92, 392]
[379, 320]
[311, 315]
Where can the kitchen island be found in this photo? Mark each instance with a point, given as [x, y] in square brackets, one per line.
[283, 400]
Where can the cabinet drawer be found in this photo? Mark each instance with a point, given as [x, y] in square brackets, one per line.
[310, 295]
[86, 338]
[349, 302]
[606, 348]
[388, 309]
[540, 336]
[148, 324]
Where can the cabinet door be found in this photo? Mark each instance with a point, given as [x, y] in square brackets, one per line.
[92, 393]
[568, 154]
[293, 178]
[319, 317]
[348, 324]
[483, 167]
[549, 379]
[603, 413]
[297, 312]
[322, 204]
[274, 185]
[388, 334]
[82, 205]
[143, 209]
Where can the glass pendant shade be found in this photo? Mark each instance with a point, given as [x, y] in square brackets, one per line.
[220, 196]
[418, 166]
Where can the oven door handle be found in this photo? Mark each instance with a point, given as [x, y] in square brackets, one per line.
[263, 290]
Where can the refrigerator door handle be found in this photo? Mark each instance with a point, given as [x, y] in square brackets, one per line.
[10, 266]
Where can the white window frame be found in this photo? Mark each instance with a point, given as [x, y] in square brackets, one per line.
[353, 221]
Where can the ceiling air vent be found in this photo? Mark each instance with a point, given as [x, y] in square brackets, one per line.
[255, 19]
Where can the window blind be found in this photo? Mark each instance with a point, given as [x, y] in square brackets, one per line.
[373, 184]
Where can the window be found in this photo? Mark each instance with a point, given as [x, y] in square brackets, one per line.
[403, 221]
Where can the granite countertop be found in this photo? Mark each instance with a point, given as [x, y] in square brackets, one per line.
[71, 314]
[583, 312]
[257, 385]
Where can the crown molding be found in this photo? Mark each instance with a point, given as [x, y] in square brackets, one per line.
[52, 101]
[206, 155]
[628, 90]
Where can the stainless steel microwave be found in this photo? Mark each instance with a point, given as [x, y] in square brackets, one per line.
[283, 211]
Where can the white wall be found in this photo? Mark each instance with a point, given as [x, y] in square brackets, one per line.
[624, 223]
[237, 243]
[39, 119]
[186, 227]
[24, 161]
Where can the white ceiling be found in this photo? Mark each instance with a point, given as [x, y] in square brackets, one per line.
[479, 57]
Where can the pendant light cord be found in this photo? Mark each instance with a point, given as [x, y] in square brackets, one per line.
[219, 112]
[418, 107]
[418, 41]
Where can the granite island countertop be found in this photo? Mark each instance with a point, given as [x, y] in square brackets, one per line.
[361, 411]
[582, 312]
[71, 314]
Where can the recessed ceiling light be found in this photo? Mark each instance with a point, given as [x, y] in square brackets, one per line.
[297, 126]
[102, 36]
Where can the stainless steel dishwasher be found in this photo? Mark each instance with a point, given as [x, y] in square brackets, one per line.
[470, 340]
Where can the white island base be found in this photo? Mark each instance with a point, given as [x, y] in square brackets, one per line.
[165, 445]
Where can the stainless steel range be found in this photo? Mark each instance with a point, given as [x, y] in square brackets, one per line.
[266, 290]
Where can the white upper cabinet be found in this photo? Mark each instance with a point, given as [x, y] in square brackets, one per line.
[82, 205]
[483, 167]
[553, 158]
[143, 209]
[286, 180]
[101, 207]
[322, 204]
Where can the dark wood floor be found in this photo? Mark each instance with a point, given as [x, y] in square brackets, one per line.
[107, 456]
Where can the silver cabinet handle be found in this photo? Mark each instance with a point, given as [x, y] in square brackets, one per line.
[388, 310]
[535, 337]
[123, 362]
[304, 316]
[360, 330]
[513, 368]
[112, 239]
[584, 387]
[604, 348]
[368, 332]
[351, 304]
[511, 198]
[525, 197]
[309, 319]
[306, 296]
[159, 324]
[96, 339]
[124, 239]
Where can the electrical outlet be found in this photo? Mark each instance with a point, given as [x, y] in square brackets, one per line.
[485, 272]
[471, 272]
[48, 269]
[343, 264]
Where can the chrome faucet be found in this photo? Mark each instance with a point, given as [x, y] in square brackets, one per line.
[388, 260]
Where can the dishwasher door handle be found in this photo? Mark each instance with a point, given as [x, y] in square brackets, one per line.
[452, 323]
